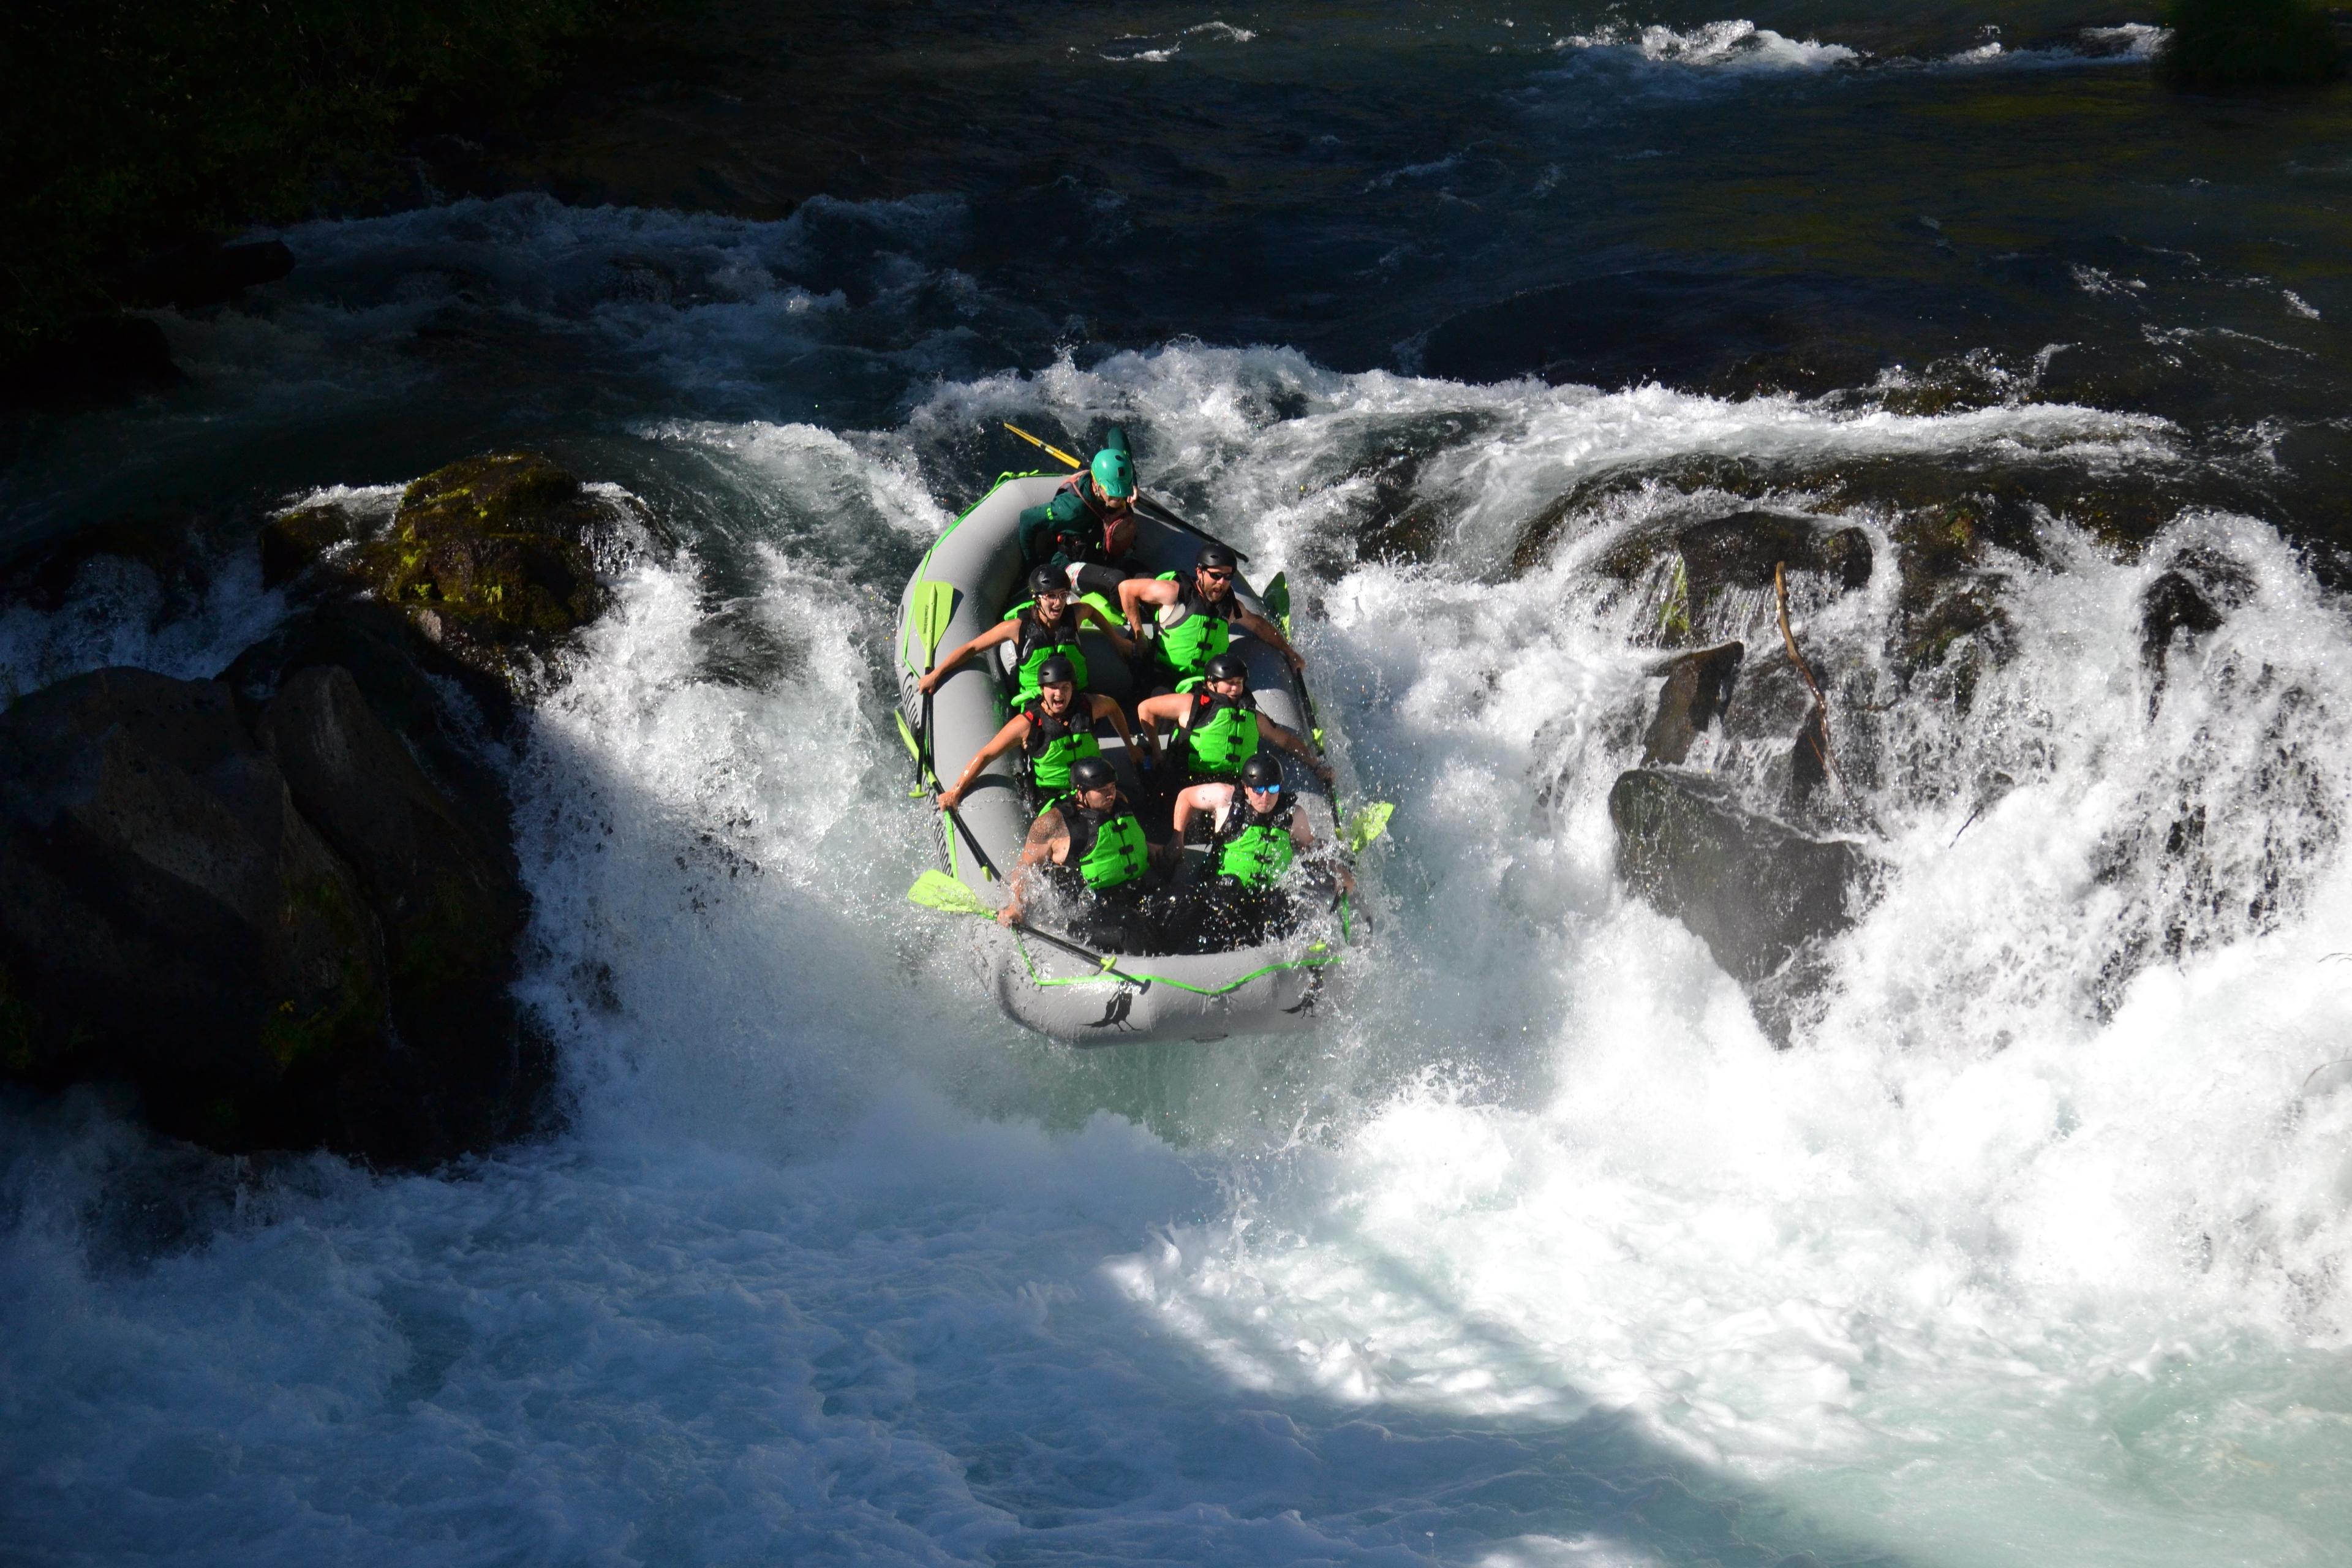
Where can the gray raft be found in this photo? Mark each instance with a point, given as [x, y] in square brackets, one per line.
[1262, 990]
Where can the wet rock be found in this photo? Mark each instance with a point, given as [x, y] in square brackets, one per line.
[293, 541]
[295, 943]
[1741, 551]
[1697, 694]
[1759, 893]
[173, 920]
[500, 552]
[447, 899]
[2189, 599]
[408, 684]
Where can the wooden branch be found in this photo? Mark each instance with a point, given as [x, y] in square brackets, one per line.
[1821, 704]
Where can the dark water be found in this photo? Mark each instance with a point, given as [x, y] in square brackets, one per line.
[2032, 1251]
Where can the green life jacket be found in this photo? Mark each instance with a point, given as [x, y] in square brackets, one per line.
[1223, 735]
[1192, 631]
[1252, 849]
[1053, 745]
[1035, 642]
[1106, 847]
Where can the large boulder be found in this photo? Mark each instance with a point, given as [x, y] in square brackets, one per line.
[171, 919]
[297, 942]
[1760, 895]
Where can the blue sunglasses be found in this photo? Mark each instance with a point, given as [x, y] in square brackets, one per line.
[1274, 788]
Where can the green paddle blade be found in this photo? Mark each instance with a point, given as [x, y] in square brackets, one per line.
[1368, 824]
[934, 603]
[1276, 599]
[937, 890]
[913, 749]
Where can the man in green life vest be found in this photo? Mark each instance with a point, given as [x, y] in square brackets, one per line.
[1255, 837]
[1054, 729]
[1087, 530]
[1252, 835]
[1092, 846]
[1046, 625]
[1196, 618]
[1218, 727]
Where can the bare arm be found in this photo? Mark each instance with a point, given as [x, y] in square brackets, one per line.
[1137, 592]
[1015, 730]
[1208, 797]
[1110, 628]
[1291, 741]
[1048, 844]
[1001, 632]
[1107, 708]
[1157, 710]
[1267, 632]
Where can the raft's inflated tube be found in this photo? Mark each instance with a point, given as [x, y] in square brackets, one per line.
[1269, 988]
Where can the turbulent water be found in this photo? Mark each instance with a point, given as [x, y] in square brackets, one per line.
[2031, 1250]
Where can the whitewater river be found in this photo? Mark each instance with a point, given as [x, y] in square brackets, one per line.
[2031, 1251]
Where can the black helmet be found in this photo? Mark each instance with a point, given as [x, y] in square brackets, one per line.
[1055, 670]
[1214, 555]
[1261, 771]
[1048, 580]
[1225, 667]
[1091, 772]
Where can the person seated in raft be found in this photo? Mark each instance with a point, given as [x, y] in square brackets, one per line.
[1044, 627]
[1196, 618]
[1090, 850]
[1054, 729]
[1087, 531]
[1218, 727]
[1253, 841]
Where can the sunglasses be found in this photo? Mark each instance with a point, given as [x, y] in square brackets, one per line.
[1217, 576]
[1274, 788]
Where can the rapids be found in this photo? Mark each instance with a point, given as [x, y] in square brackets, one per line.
[1536, 1251]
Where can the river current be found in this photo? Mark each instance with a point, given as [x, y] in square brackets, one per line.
[2031, 1249]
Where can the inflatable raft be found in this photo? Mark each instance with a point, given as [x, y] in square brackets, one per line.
[1104, 999]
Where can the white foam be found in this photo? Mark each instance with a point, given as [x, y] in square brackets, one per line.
[834, 1265]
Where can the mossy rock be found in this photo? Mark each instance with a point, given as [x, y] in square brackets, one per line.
[2221, 45]
[492, 557]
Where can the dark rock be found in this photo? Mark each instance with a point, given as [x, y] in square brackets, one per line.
[307, 945]
[101, 360]
[404, 680]
[494, 559]
[2189, 599]
[171, 918]
[447, 900]
[1741, 551]
[191, 276]
[1756, 891]
[292, 542]
[1697, 694]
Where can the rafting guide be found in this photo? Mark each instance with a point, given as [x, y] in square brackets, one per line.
[1116, 730]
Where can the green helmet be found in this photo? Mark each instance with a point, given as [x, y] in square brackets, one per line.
[1114, 473]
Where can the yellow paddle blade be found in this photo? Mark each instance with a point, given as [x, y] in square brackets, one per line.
[937, 890]
[934, 603]
[1368, 824]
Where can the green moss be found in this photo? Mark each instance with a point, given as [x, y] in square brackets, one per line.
[2223, 44]
[352, 1011]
